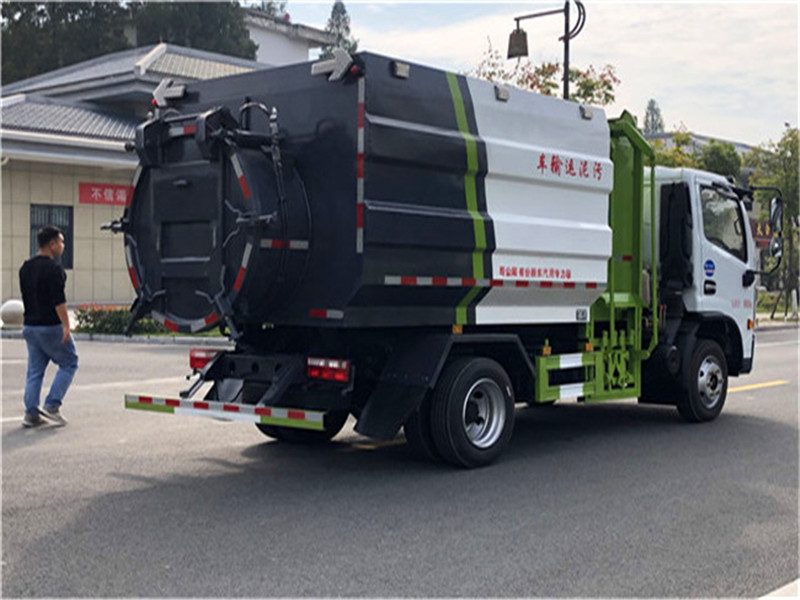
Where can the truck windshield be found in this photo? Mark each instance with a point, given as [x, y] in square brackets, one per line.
[723, 223]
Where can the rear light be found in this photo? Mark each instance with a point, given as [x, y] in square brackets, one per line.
[200, 357]
[329, 369]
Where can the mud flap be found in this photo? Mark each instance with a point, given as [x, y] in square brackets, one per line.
[410, 372]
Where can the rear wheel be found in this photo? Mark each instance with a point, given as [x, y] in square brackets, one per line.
[472, 412]
[706, 383]
[332, 423]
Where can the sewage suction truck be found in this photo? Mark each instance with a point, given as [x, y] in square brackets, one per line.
[422, 250]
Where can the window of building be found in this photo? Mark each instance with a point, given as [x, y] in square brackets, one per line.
[59, 216]
[723, 223]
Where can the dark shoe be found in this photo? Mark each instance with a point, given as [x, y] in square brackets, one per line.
[54, 414]
[32, 420]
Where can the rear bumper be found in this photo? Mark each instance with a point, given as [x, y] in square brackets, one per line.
[265, 415]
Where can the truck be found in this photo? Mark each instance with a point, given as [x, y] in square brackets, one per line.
[423, 251]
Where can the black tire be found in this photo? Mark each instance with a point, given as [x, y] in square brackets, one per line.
[419, 436]
[332, 423]
[705, 382]
[472, 412]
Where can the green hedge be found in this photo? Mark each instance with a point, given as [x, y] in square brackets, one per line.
[765, 301]
[94, 318]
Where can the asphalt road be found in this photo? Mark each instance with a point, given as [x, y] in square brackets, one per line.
[589, 501]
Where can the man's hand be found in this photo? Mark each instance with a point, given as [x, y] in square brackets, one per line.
[63, 315]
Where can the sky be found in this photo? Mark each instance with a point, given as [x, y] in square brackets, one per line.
[727, 70]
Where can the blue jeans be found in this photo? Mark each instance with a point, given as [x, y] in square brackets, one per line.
[44, 344]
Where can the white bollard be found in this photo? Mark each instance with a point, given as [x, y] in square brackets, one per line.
[12, 313]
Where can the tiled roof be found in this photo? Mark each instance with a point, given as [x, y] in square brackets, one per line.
[39, 114]
[192, 67]
[148, 64]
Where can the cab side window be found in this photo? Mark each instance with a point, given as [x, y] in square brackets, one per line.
[723, 224]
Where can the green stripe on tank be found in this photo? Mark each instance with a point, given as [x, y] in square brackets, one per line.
[461, 310]
[478, 225]
[152, 407]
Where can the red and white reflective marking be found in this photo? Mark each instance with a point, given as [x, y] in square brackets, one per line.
[360, 169]
[237, 168]
[325, 313]
[461, 282]
[285, 244]
[248, 250]
[181, 326]
[134, 182]
[181, 130]
[623, 257]
[266, 415]
[131, 270]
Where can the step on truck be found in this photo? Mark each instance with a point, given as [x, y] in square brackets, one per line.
[422, 251]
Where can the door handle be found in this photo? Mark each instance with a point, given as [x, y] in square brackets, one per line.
[709, 287]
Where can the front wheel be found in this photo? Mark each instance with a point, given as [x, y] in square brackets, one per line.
[705, 383]
[472, 412]
[333, 423]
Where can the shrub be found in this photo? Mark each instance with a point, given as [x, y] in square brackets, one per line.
[765, 301]
[95, 318]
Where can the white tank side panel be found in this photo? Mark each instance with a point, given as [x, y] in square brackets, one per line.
[521, 305]
[547, 186]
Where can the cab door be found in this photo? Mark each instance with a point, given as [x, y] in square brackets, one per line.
[726, 252]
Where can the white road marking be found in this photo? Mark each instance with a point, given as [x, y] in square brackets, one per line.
[13, 361]
[773, 344]
[790, 590]
[107, 385]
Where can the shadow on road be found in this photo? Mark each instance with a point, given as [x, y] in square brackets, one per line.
[287, 520]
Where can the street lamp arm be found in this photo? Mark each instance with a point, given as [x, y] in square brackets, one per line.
[539, 14]
[578, 24]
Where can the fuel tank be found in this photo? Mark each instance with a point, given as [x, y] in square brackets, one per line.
[397, 195]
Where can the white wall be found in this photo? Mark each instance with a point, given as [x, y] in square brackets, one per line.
[99, 272]
[276, 49]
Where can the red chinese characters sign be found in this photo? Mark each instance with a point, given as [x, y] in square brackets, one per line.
[103, 193]
[534, 273]
[761, 232]
[569, 168]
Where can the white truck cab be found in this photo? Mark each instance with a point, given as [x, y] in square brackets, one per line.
[706, 263]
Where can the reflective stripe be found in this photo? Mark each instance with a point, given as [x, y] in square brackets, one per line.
[572, 390]
[360, 167]
[570, 361]
[323, 313]
[237, 168]
[412, 280]
[287, 417]
[285, 244]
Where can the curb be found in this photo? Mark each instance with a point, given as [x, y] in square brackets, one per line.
[221, 342]
[790, 590]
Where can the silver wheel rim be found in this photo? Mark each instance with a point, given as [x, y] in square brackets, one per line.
[710, 382]
[483, 414]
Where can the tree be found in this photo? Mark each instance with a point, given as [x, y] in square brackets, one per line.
[339, 26]
[40, 37]
[679, 152]
[587, 85]
[213, 26]
[653, 123]
[273, 9]
[720, 157]
[776, 165]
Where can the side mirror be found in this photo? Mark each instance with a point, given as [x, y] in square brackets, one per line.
[776, 216]
[776, 247]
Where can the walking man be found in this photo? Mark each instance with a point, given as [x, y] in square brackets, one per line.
[46, 328]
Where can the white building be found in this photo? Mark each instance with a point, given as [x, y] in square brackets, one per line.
[63, 155]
